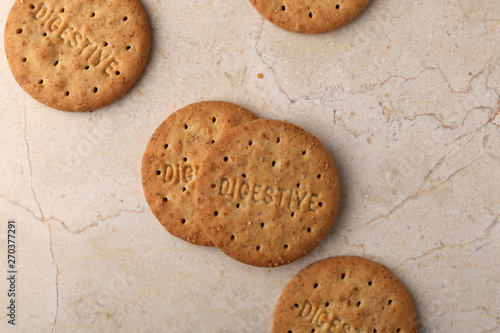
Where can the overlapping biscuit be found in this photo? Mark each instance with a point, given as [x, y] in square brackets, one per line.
[345, 294]
[172, 158]
[76, 55]
[309, 16]
[267, 192]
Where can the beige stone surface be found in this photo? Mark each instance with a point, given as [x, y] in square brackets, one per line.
[405, 97]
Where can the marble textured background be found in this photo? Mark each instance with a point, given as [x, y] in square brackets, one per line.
[405, 98]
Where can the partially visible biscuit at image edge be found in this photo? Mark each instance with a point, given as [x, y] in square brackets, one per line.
[309, 16]
[345, 294]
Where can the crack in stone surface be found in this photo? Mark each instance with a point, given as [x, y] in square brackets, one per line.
[57, 278]
[421, 191]
[28, 155]
[487, 233]
[259, 54]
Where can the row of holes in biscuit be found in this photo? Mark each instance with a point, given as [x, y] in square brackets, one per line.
[67, 93]
[186, 126]
[273, 163]
[62, 10]
[262, 225]
[283, 8]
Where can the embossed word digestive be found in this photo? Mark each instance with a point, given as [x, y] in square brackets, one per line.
[324, 318]
[93, 53]
[178, 173]
[238, 189]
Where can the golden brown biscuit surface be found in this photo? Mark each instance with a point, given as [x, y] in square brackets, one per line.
[267, 192]
[172, 158]
[76, 55]
[309, 16]
[344, 294]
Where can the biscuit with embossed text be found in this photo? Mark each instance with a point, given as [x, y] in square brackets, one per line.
[171, 160]
[309, 16]
[344, 294]
[267, 192]
[76, 55]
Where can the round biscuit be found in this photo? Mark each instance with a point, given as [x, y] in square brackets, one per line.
[76, 55]
[267, 192]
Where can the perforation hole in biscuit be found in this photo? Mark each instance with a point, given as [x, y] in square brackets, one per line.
[183, 221]
[213, 185]
[250, 142]
[128, 47]
[185, 159]
[125, 18]
[358, 304]
[303, 152]
[32, 6]
[289, 331]
[165, 146]
[56, 63]
[310, 15]
[96, 90]
[308, 230]
[216, 213]
[86, 67]
[19, 31]
[278, 140]
[273, 163]
[44, 34]
[292, 214]
[232, 237]
[342, 276]
[186, 126]
[213, 141]
[158, 172]
[327, 304]
[337, 7]
[374, 330]
[283, 8]
[316, 285]
[62, 10]
[320, 204]
[24, 59]
[313, 330]
[165, 199]
[237, 205]
[92, 14]
[117, 73]
[214, 119]
[183, 189]
[398, 330]
[262, 224]
[285, 246]
[318, 176]
[257, 248]
[66, 93]
[298, 185]
[40, 82]
[389, 302]
[226, 158]
[370, 283]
